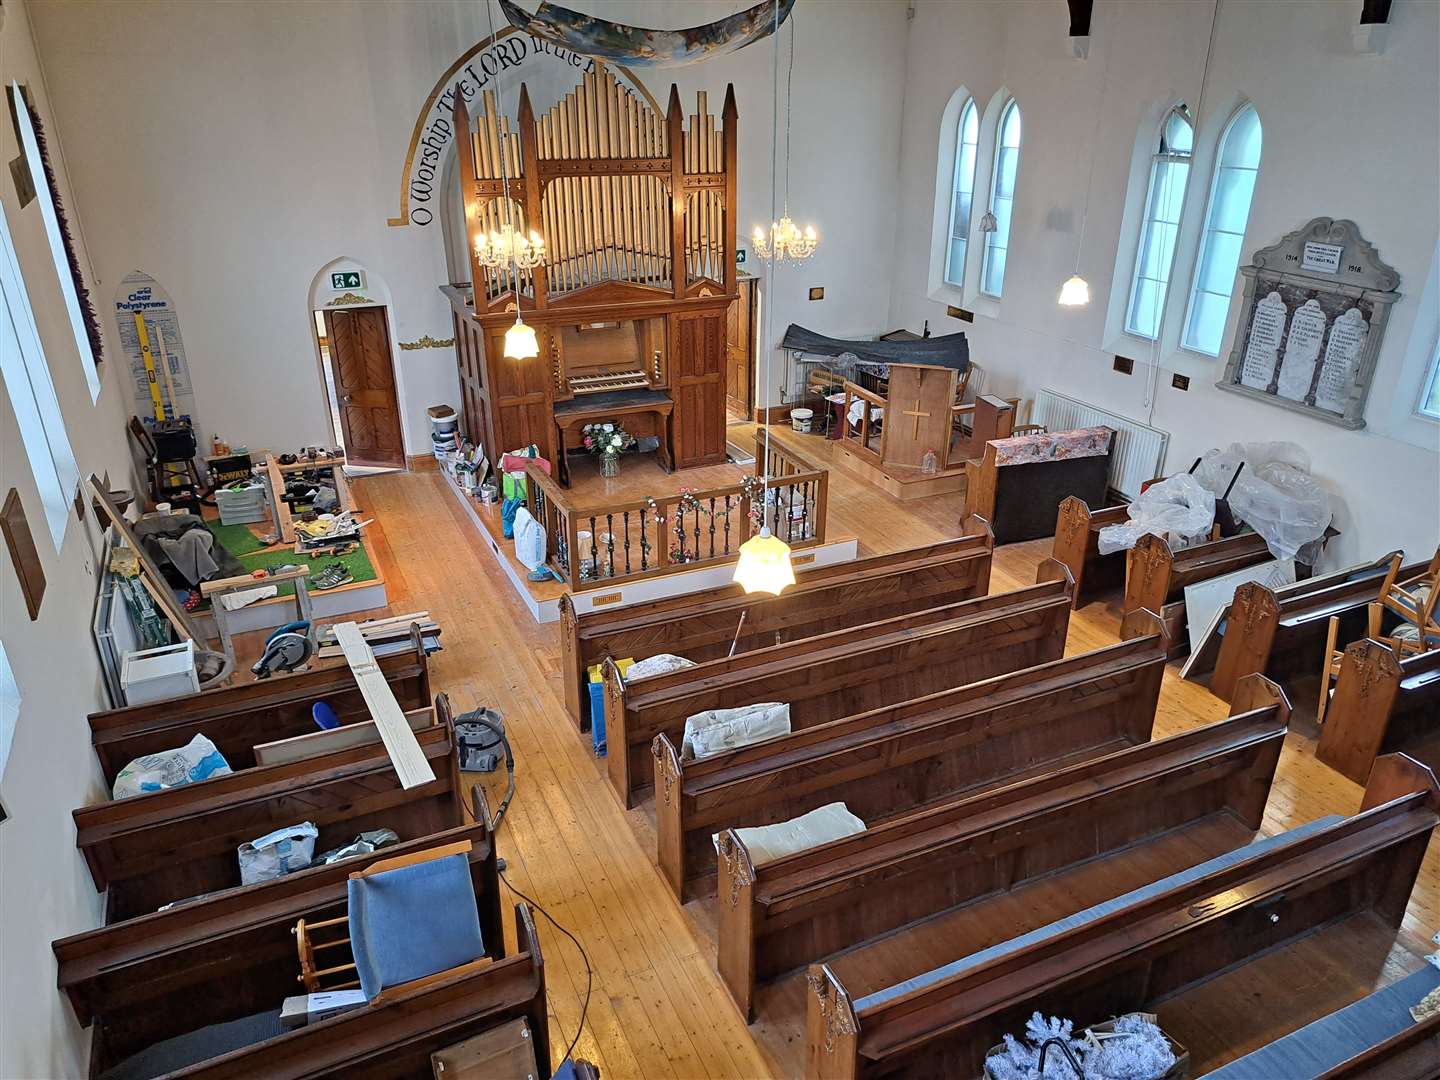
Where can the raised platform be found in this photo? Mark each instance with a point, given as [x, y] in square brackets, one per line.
[897, 481]
[640, 475]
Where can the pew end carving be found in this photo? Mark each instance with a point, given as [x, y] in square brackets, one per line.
[831, 1030]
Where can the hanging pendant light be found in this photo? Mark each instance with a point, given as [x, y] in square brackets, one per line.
[1075, 292]
[764, 564]
[520, 341]
[786, 241]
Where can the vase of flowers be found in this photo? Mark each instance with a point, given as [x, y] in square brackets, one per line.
[609, 441]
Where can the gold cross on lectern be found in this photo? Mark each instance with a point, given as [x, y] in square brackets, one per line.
[917, 414]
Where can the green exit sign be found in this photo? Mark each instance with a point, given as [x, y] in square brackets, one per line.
[346, 279]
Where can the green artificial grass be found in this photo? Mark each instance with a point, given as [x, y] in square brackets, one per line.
[241, 542]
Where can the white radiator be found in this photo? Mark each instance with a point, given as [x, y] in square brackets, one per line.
[1139, 450]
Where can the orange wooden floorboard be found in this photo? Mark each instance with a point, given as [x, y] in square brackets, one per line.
[657, 1008]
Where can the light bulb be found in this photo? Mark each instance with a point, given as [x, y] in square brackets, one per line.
[1075, 292]
[764, 564]
[520, 341]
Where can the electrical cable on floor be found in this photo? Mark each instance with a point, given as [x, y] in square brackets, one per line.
[494, 826]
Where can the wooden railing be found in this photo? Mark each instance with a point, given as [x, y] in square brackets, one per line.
[599, 545]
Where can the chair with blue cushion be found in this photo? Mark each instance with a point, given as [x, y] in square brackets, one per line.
[413, 920]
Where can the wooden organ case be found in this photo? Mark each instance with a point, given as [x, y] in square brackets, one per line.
[638, 214]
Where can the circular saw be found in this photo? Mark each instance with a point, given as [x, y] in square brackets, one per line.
[288, 648]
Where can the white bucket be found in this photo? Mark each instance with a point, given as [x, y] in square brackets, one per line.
[800, 420]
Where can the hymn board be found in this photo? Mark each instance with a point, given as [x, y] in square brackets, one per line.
[1314, 315]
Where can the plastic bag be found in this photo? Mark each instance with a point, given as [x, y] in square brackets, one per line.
[716, 730]
[287, 849]
[363, 844]
[1180, 510]
[529, 540]
[659, 664]
[196, 760]
[1275, 495]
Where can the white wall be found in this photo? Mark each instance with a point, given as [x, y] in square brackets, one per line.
[1346, 136]
[231, 150]
[45, 890]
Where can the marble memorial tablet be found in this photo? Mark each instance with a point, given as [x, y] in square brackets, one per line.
[1266, 330]
[1302, 350]
[1337, 371]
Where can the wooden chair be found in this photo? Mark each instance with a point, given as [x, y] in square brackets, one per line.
[839, 673]
[889, 760]
[707, 625]
[783, 914]
[1352, 876]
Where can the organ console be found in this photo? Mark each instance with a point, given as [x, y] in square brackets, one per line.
[638, 213]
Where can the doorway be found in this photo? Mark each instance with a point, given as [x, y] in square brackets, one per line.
[740, 352]
[360, 383]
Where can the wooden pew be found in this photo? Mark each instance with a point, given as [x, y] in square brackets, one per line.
[174, 844]
[392, 1040]
[239, 717]
[132, 979]
[1381, 703]
[1281, 634]
[1413, 1054]
[1077, 533]
[792, 911]
[1155, 577]
[702, 626]
[843, 672]
[1151, 948]
[894, 759]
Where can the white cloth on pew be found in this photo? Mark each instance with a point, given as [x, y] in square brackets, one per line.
[715, 730]
[660, 664]
[767, 843]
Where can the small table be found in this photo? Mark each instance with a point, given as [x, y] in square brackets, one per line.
[650, 409]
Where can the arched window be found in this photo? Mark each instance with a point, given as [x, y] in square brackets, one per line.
[967, 142]
[1002, 200]
[1237, 166]
[1169, 169]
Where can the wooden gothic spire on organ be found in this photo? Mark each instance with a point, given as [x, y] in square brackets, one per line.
[637, 211]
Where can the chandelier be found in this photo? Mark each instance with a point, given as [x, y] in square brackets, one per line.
[509, 248]
[785, 241]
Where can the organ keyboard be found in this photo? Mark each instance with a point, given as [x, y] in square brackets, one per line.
[609, 380]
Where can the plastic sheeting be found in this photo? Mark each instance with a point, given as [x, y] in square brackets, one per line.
[716, 730]
[1275, 495]
[1179, 509]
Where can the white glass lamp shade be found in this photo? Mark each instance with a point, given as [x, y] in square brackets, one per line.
[764, 564]
[520, 341]
[1075, 292]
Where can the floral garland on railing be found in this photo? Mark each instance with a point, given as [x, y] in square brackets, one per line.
[752, 488]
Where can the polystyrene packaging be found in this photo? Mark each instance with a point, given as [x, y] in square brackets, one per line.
[1275, 495]
[196, 760]
[1179, 509]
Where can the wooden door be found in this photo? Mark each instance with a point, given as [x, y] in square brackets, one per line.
[697, 385]
[364, 374]
[740, 350]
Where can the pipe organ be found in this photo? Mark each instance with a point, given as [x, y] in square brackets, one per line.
[637, 211]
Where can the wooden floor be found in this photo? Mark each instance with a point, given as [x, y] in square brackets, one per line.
[657, 1008]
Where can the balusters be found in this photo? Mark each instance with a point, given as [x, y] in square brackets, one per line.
[594, 551]
[644, 540]
[696, 550]
[680, 533]
[712, 526]
[805, 511]
[627, 540]
[727, 524]
[610, 543]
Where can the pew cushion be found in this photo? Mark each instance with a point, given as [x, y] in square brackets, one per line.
[715, 730]
[195, 1046]
[769, 842]
[1327, 1042]
[1089, 915]
[413, 921]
